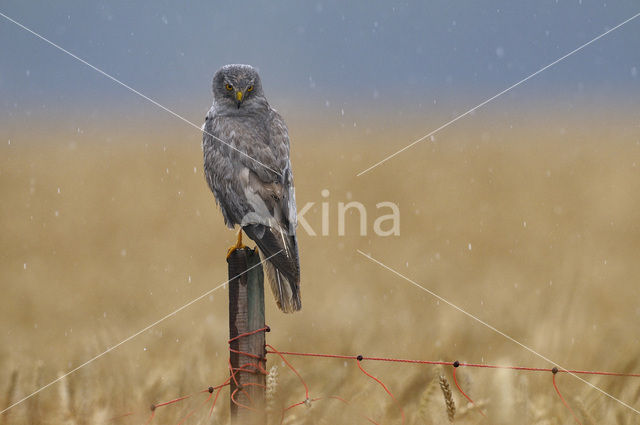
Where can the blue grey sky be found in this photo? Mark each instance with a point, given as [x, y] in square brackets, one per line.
[427, 57]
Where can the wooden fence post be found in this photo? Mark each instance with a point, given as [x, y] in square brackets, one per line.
[246, 314]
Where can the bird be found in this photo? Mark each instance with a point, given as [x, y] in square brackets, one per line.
[245, 145]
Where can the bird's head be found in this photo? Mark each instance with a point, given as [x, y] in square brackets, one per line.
[237, 85]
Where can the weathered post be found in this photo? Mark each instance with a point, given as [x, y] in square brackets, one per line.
[247, 352]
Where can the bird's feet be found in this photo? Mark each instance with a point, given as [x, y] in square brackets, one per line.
[238, 245]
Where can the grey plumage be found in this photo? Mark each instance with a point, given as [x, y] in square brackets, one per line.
[246, 163]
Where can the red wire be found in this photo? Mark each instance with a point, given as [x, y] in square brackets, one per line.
[248, 334]
[194, 410]
[243, 368]
[257, 368]
[539, 369]
[383, 386]
[575, 418]
[476, 365]
[166, 403]
[335, 397]
[255, 356]
[120, 416]
[150, 418]
[237, 403]
[216, 398]
[255, 365]
[455, 380]
[238, 387]
[432, 362]
[232, 376]
[306, 388]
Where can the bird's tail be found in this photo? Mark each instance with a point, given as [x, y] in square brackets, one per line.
[283, 268]
[287, 293]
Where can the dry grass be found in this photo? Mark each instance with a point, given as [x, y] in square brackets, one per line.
[552, 219]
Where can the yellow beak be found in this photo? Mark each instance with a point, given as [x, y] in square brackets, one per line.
[239, 95]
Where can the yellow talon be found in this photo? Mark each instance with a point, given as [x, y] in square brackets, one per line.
[238, 245]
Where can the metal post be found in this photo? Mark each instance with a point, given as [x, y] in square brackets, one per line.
[246, 314]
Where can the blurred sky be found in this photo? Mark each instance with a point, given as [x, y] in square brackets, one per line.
[421, 58]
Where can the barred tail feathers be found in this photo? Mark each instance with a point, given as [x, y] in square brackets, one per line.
[283, 267]
[287, 293]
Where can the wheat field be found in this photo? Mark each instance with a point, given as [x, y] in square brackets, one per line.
[534, 230]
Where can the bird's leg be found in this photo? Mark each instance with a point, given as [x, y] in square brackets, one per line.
[238, 245]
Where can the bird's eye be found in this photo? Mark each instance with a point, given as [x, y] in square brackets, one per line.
[250, 88]
[229, 87]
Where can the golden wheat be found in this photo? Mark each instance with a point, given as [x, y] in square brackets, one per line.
[100, 240]
[448, 398]
[270, 394]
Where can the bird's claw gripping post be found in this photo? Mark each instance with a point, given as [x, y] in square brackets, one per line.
[238, 245]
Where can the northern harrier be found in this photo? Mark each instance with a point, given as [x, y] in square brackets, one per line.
[246, 163]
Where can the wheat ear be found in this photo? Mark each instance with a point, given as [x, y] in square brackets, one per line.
[448, 398]
[272, 387]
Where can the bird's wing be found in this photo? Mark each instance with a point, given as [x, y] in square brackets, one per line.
[256, 191]
[235, 152]
[278, 234]
[219, 167]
